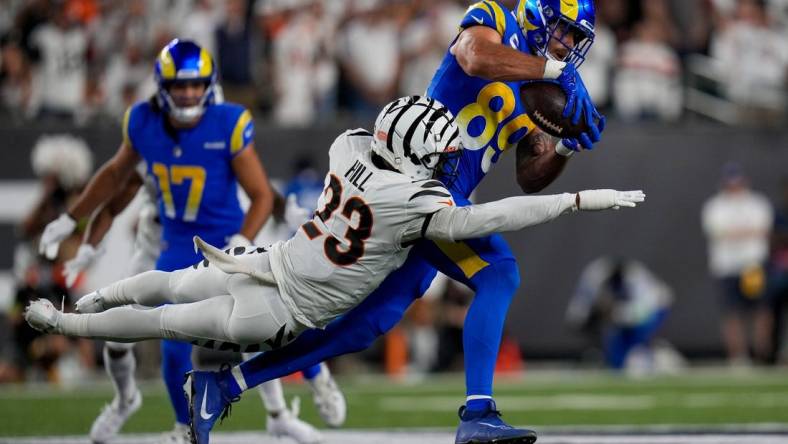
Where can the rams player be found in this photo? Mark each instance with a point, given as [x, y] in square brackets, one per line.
[198, 150]
[495, 52]
[380, 199]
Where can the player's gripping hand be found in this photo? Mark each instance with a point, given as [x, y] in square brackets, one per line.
[578, 104]
[86, 254]
[595, 200]
[295, 215]
[587, 139]
[54, 233]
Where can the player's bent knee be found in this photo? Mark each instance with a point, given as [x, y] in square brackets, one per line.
[504, 275]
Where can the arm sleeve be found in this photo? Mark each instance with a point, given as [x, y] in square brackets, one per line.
[510, 214]
[485, 13]
[243, 133]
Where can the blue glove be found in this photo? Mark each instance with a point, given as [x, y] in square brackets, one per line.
[584, 107]
[587, 140]
[567, 80]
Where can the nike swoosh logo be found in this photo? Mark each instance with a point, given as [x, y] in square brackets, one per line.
[203, 412]
[478, 20]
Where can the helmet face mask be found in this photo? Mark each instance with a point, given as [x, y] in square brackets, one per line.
[445, 166]
[547, 23]
[182, 63]
[418, 137]
[180, 111]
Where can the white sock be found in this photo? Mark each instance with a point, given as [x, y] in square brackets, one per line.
[273, 396]
[121, 371]
[271, 392]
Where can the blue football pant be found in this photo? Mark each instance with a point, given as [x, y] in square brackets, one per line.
[485, 265]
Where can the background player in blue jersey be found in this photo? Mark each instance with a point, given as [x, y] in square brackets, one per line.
[478, 80]
[198, 150]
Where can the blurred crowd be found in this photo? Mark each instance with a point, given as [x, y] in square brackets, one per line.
[301, 61]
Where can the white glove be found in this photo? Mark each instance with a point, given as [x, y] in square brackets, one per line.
[86, 254]
[238, 240]
[54, 233]
[295, 215]
[594, 200]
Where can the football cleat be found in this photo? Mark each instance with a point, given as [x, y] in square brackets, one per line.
[287, 423]
[208, 402]
[43, 316]
[90, 303]
[329, 400]
[486, 426]
[112, 418]
[180, 434]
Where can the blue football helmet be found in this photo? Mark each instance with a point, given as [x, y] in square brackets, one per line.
[184, 60]
[544, 20]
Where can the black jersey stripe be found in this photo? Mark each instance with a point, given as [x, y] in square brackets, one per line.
[360, 133]
[426, 224]
[432, 184]
[429, 193]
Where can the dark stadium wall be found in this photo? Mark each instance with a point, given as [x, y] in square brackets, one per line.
[677, 167]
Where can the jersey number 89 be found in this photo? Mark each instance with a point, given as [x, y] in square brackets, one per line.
[493, 116]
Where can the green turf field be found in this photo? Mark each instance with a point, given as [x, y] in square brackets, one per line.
[539, 399]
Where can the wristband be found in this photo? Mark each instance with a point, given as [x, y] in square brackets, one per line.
[562, 150]
[553, 69]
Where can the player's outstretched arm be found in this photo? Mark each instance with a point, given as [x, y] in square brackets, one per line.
[101, 188]
[516, 213]
[480, 53]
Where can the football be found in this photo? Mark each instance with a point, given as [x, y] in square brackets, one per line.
[544, 103]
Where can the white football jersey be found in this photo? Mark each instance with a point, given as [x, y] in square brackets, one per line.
[360, 233]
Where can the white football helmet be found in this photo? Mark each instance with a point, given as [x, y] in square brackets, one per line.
[418, 137]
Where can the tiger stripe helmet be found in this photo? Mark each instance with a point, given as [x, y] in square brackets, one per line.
[418, 137]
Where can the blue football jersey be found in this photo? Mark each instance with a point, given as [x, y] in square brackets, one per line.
[490, 114]
[197, 189]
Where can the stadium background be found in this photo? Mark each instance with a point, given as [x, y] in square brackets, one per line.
[673, 149]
